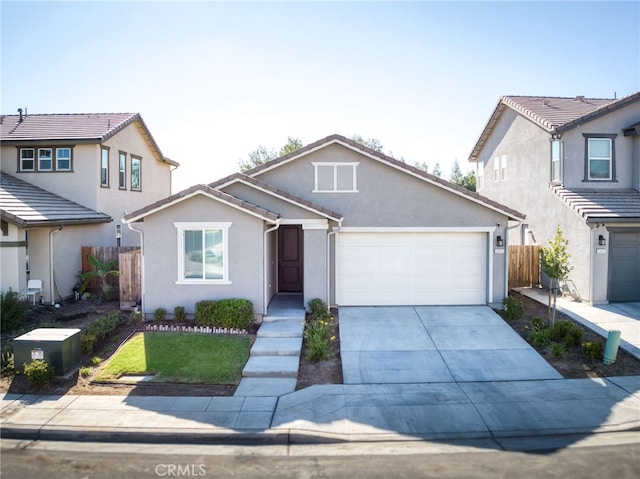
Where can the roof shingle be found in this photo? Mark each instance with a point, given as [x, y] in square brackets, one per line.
[602, 205]
[27, 205]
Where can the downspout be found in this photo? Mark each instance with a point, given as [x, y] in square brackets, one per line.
[335, 230]
[142, 282]
[265, 267]
[51, 279]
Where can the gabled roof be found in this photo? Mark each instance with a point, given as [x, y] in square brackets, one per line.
[207, 191]
[27, 205]
[553, 114]
[272, 190]
[82, 127]
[602, 205]
[392, 162]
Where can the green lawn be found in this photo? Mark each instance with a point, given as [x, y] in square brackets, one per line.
[180, 358]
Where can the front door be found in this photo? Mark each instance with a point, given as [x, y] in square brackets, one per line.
[290, 259]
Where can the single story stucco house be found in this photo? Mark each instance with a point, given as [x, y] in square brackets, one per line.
[334, 220]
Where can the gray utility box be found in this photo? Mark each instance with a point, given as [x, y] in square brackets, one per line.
[60, 348]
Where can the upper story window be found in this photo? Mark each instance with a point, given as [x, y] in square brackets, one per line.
[27, 159]
[503, 167]
[104, 167]
[600, 159]
[63, 159]
[480, 175]
[335, 178]
[136, 165]
[122, 171]
[203, 250]
[46, 159]
[556, 160]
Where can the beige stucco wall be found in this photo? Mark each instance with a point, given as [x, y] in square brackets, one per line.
[13, 270]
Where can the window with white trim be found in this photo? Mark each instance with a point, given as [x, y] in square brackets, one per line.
[122, 170]
[45, 159]
[600, 157]
[104, 167]
[136, 164]
[480, 175]
[63, 159]
[27, 159]
[496, 169]
[503, 167]
[203, 253]
[556, 155]
[335, 177]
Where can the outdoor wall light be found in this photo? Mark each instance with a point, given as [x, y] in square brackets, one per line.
[602, 241]
[499, 241]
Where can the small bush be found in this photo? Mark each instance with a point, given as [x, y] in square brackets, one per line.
[537, 324]
[7, 361]
[513, 308]
[593, 350]
[540, 337]
[96, 360]
[160, 314]
[97, 331]
[566, 332]
[318, 310]
[13, 308]
[558, 350]
[179, 314]
[85, 371]
[225, 313]
[135, 318]
[38, 373]
[318, 341]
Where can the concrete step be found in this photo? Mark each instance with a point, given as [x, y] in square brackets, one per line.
[265, 387]
[284, 317]
[265, 346]
[290, 328]
[271, 367]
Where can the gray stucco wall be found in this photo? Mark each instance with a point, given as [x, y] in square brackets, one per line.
[245, 256]
[315, 264]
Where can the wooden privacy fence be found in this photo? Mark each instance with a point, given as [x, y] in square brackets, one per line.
[127, 262]
[524, 266]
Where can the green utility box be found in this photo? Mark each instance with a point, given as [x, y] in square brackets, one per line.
[60, 348]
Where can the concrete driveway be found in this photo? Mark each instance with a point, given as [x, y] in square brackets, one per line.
[429, 344]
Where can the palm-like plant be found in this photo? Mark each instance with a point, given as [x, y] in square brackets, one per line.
[100, 270]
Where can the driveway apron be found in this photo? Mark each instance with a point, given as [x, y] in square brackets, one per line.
[434, 344]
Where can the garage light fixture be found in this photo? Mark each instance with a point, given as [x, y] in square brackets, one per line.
[499, 241]
[602, 241]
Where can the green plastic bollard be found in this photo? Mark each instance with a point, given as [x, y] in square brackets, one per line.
[611, 348]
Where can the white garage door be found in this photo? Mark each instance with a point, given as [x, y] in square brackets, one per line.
[404, 268]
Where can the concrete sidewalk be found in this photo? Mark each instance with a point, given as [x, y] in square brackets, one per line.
[623, 317]
[436, 411]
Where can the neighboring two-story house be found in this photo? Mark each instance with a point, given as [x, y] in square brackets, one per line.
[67, 181]
[572, 162]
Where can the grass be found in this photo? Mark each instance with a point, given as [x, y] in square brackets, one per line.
[180, 358]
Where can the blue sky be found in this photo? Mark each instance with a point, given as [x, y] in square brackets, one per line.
[214, 80]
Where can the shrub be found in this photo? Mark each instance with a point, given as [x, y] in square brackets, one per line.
[13, 308]
[225, 313]
[85, 371]
[38, 373]
[593, 350]
[566, 332]
[318, 341]
[318, 310]
[96, 360]
[205, 313]
[540, 337]
[513, 308]
[97, 331]
[537, 323]
[234, 313]
[6, 361]
[160, 314]
[179, 314]
[558, 350]
[135, 318]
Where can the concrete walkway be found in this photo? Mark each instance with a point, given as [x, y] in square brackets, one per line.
[471, 400]
[623, 317]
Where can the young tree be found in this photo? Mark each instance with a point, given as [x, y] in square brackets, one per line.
[554, 260]
[262, 154]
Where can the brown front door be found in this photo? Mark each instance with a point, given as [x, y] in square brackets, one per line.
[290, 259]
